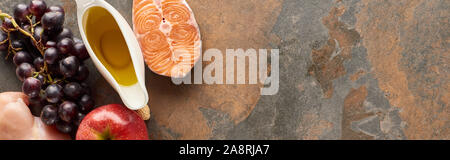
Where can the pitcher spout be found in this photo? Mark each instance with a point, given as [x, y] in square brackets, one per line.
[134, 97]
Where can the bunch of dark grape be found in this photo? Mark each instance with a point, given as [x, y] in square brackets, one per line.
[50, 62]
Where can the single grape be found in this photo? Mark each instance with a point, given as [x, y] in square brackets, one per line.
[49, 115]
[38, 63]
[65, 46]
[53, 93]
[38, 32]
[82, 73]
[45, 37]
[3, 35]
[24, 71]
[36, 105]
[7, 24]
[65, 33]
[54, 69]
[37, 8]
[49, 44]
[86, 103]
[22, 57]
[67, 111]
[51, 55]
[73, 90]
[64, 127]
[41, 78]
[21, 12]
[56, 8]
[17, 44]
[52, 33]
[79, 119]
[77, 40]
[4, 38]
[86, 89]
[53, 21]
[80, 51]
[31, 87]
[69, 66]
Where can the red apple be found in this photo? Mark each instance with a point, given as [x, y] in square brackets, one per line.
[112, 122]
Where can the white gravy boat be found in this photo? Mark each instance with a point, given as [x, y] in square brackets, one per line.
[135, 96]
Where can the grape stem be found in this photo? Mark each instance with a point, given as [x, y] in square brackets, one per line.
[10, 47]
[31, 22]
[17, 27]
[38, 44]
[3, 42]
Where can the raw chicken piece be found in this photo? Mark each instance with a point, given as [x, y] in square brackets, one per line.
[17, 122]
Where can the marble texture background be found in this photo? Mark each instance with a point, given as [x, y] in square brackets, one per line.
[349, 69]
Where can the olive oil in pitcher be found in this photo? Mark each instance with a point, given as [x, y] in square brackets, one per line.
[109, 45]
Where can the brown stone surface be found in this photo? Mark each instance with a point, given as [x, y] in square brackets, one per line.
[329, 60]
[349, 69]
[354, 111]
[410, 59]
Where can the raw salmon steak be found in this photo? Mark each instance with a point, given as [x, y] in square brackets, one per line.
[168, 34]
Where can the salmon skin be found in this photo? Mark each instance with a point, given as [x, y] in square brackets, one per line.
[168, 34]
